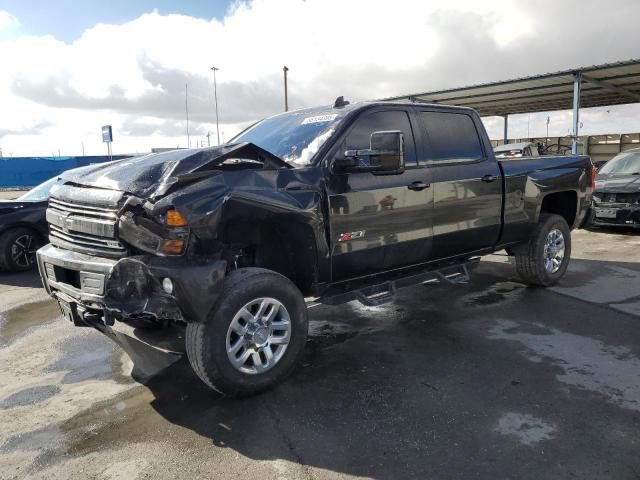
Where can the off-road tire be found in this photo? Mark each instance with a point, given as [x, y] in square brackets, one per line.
[7, 239]
[530, 256]
[206, 341]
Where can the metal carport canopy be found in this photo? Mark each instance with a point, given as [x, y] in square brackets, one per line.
[596, 86]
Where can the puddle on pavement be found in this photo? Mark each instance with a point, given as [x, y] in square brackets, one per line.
[610, 284]
[36, 440]
[497, 293]
[528, 429]
[584, 362]
[91, 356]
[15, 322]
[29, 396]
[362, 319]
[175, 395]
[323, 334]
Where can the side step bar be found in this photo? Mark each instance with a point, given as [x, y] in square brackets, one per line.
[384, 292]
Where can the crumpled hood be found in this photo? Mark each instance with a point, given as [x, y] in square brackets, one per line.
[618, 183]
[152, 175]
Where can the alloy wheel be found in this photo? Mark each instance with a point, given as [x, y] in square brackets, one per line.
[258, 336]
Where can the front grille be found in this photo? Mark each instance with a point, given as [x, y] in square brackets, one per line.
[84, 228]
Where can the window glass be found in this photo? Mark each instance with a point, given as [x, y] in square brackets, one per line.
[451, 136]
[627, 163]
[41, 192]
[296, 136]
[360, 135]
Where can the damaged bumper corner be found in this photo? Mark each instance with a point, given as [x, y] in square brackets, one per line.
[106, 290]
[616, 215]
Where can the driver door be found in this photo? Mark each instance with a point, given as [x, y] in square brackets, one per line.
[379, 221]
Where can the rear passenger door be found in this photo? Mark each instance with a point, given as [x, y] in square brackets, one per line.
[467, 183]
[379, 221]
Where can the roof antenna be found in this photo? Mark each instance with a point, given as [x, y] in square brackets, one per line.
[340, 102]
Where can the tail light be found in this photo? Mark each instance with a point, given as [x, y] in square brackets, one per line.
[594, 172]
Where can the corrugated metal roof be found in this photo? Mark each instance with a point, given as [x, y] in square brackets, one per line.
[540, 93]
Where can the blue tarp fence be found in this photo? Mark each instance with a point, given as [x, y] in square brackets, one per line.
[16, 172]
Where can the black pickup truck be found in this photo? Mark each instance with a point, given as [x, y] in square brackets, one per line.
[225, 246]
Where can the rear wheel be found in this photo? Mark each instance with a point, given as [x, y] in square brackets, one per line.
[18, 249]
[545, 258]
[254, 336]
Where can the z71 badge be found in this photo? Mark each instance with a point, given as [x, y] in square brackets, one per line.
[345, 237]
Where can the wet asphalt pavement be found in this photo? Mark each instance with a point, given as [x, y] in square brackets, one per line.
[485, 380]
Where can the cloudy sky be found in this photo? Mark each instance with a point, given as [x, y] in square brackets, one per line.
[68, 67]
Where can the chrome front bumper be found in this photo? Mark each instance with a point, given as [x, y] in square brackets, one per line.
[78, 276]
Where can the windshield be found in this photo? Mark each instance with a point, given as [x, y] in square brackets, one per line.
[295, 137]
[39, 193]
[623, 164]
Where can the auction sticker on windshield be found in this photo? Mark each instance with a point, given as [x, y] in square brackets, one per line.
[320, 118]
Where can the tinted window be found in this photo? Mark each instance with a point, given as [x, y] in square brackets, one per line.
[360, 135]
[451, 136]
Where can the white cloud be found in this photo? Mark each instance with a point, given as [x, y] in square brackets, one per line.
[8, 21]
[133, 75]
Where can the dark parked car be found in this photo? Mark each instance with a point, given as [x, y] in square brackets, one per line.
[220, 246]
[23, 228]
[617, 194]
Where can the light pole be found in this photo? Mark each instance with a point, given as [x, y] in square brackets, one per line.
[215, 96]
[548, 120]
[285, 69]
[186, 108]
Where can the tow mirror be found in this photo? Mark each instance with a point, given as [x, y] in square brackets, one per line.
[384, 155]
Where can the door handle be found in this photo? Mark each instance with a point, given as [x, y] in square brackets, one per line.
[489, 178]
[417, 186]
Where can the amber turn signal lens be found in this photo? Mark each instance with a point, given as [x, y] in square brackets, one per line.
[172, 247]
[174, 218]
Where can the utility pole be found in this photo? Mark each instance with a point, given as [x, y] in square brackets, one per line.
[285, 69]
[83, 149]
[208, 139]
[215, 96]
[186, 107]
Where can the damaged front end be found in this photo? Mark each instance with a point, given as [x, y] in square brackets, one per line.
[616, 209]
[154, 288]
[129, 269]
[148, 242]
[120, 250]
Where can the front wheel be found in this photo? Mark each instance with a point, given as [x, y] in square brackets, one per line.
[254, 336]
[545, 258]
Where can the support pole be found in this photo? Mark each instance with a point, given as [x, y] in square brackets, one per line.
[286, 92]
[506, 129]
[215, 96]
[186, 108]
[577, 80]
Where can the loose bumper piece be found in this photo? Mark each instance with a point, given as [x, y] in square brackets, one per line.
[132, 288]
